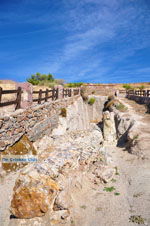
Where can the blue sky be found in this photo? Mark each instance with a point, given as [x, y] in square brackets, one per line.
[102, 41]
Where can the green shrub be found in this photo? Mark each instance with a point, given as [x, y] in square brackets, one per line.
[74, 84]
[91, 101]
[116, 193]
[121, 107]
[127, 86]
[52, 84]
[141, 87]
[109, 189]
[63, 112]
[40, 79]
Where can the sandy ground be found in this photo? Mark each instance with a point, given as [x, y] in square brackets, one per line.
[92, 206]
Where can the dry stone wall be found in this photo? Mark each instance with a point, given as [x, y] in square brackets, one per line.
[41, 120]
[34, 122]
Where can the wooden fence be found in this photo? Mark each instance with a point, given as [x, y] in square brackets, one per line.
[17, 101]
[141, 93]
[42, 95]
[52, 93]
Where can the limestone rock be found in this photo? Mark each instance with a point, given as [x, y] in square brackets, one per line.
[109, 130]
[33, 195]
[59, 215]
[107, 174]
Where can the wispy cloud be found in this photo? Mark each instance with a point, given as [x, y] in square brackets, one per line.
[99, 38]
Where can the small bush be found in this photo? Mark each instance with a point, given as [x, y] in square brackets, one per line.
[91, 101]
[141, 87]
[116, 193]
[121, 107]
[135, 137]
[74, 84]
[109, 189]
[63, 112]
[127, 86]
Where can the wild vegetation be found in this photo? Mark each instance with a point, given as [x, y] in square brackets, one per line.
[74, 84]
[141, 87]
[44, 80]
[63, 112]
[127, 86]
[91, 101]
[121, 107]
[50, 81]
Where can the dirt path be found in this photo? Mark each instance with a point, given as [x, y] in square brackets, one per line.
[129, 203]
[142, 120]
[93, 206]
[139, 110]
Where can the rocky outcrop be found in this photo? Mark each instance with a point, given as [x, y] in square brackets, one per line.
[40, 187]
[41, 120]
[132, 134]
[33, 194]
[109, 130]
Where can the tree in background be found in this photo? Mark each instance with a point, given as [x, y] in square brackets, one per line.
[40, 79]
[127, 86]
[141, 87]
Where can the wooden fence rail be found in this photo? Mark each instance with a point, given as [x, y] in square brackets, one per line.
[52, 93]
[17, 101]
[141, 93]
[42, 95]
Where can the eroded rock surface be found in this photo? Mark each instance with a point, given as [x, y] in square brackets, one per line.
[109, 130]
[38, 186]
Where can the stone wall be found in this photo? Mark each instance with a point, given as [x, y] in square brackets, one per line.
[41, 120]
[34, 122]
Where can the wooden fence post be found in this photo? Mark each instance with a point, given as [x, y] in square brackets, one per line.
[18, 99]
[46, 95]
[1, 94]
[40, 96]
[53, 93]
[57, 94]
[70, 92]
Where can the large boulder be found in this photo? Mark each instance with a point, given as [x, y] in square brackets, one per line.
[33, 195]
